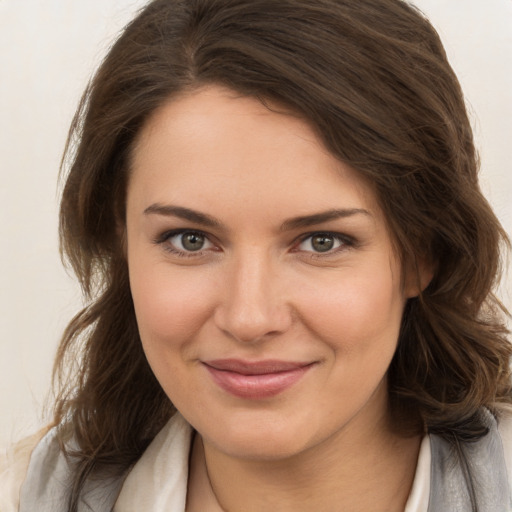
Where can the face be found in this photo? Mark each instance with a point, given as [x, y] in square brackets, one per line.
[267, 292]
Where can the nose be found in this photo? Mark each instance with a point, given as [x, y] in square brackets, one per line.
[253, 305]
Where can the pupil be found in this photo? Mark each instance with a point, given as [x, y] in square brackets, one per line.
[322, 243]
[192, 241]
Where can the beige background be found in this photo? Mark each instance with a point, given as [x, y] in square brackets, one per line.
[48, 49]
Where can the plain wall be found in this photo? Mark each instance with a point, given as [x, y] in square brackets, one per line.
[48, 50]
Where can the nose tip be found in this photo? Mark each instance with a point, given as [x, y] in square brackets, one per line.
[250, 324]
[253, 306]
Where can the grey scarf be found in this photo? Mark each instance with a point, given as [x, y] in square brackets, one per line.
[472, 478]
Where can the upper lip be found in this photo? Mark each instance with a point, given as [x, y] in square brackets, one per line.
[255, 367]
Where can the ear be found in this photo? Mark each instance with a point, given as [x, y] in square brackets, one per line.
[417, 276]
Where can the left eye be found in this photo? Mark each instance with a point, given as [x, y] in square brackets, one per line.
[321, 242]
[190, 241]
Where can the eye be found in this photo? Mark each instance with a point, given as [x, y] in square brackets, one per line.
[189, 241]
[185, 242]
[323, 243]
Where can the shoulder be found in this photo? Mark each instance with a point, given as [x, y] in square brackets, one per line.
[14, 464]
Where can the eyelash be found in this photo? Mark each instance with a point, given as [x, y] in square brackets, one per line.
[345, 242]
[166, 236]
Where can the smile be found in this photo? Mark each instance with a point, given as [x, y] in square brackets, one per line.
[255, 380]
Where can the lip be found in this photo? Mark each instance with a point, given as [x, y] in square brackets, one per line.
[256, 379]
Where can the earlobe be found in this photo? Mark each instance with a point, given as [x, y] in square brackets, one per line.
[419, 273]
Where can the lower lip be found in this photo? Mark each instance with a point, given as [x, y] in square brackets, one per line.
[256, 386]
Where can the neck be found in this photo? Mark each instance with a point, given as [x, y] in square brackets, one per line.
[359, 468]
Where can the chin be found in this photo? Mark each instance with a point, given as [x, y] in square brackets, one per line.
[263, 447]
[260, 437]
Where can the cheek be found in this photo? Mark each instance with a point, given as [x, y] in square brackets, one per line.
[356, 312]
[170, 306]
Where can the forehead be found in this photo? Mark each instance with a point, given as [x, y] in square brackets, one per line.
[215, 146]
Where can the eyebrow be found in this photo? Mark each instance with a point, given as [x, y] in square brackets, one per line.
[208, 221]
[184, 213]
[319, 218]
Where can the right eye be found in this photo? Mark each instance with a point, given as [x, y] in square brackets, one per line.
[189, 241]
[185, 243]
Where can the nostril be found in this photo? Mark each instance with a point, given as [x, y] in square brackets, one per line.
[251, 325]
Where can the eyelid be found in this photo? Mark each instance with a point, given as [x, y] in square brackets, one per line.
[345, 242]
[164, 238]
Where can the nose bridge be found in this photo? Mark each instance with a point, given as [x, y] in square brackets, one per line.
[253, 305]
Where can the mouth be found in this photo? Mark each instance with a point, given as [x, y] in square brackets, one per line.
[256, 379]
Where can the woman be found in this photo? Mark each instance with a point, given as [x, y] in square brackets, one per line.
[273, 209]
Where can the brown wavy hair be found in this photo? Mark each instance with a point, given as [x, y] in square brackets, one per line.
[373, 79]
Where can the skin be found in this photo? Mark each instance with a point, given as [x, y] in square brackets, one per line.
[259, 289]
